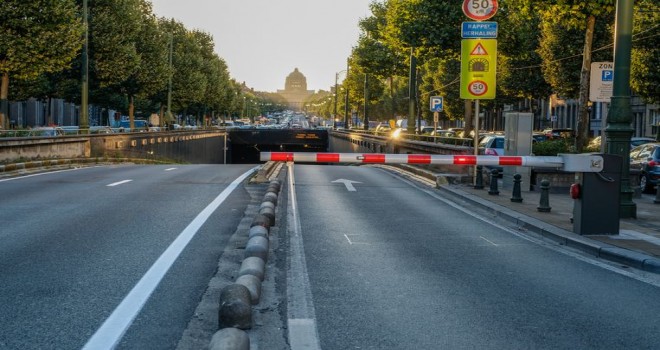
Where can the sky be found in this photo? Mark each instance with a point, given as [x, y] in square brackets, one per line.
[263, 41]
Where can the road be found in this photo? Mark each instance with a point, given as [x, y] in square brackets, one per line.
[389, 265]
[76, 243]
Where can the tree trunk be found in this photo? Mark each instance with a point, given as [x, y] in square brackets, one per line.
[583, 113]
[4, 105]
[468, 119]
[131, 112]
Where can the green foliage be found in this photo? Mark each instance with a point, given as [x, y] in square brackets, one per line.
[37, 36]
[644, 72]
[552, 147]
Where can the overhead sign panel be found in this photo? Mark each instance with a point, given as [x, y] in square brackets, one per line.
[478, 69]
[475, 30]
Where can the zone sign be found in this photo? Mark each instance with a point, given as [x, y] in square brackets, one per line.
[480, 10]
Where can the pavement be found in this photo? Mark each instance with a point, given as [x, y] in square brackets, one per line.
[636, 245]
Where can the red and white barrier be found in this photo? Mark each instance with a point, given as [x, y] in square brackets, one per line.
[570, 162]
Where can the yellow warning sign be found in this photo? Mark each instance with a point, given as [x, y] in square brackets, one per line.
[478, 69]
[478, 50]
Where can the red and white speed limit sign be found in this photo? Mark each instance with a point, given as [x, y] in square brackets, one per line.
[480, 10]
[477, 87]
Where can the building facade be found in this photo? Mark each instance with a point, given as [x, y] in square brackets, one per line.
[295, 90]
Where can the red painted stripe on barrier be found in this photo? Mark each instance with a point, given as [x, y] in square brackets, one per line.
[373, 158]
[327, 157]
[281, 156]
[511, 161]
[419, 159]
[465, 160]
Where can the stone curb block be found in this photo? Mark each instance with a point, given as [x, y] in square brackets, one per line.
[230, 339]
[270, 197]
[651, 265]
[253, 284]
[269, 213]
[267, 205]
[253, 266]
[258, 231]
[235, 307]
[257, 246]
[261, 220]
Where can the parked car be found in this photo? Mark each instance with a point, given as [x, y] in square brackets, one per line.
[646, 159]
[559, 133]
[492, 145]
[48, 131]
[383, 129]
[634, 141]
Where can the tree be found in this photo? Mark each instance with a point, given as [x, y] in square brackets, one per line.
[644, 72]
[36, 37]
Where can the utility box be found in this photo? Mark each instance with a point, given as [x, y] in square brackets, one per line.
[518, 142]
[596, 195]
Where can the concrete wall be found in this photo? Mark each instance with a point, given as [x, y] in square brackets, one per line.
[195, 147]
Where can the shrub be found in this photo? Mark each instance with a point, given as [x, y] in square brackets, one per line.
[553, 147]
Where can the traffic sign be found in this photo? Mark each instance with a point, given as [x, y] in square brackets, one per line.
[475, 30]
[478, 69]
[436, 103]
[601, 81]
[480, 10]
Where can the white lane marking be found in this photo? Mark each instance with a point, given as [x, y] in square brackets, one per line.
[115, 326]
[348, 184]
[485, 239]
[118, 183]
[303, 334]
[348, 239]
[170, 169]
[47, 173]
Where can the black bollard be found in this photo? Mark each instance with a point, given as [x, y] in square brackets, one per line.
[657, 194]
[493, 183]
[544, 202]
[516, 196]
[479, 182]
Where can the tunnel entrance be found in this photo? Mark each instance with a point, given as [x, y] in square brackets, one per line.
[244, 145]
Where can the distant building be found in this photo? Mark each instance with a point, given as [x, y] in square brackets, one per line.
[295, 90]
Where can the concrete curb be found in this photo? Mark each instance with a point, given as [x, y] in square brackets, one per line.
[235, 312]
[550, 232]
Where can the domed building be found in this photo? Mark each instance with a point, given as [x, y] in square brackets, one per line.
[295, 90]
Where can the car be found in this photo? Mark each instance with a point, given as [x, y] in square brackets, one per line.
[634, 141]
[48, 131]
[646, 160]
[539, 137]
[492, 145]
[559, 133]
[383, 129]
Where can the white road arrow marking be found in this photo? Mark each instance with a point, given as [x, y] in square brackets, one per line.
[348, 184]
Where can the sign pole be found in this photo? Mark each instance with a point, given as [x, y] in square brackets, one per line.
[476, 136]
[436, 117]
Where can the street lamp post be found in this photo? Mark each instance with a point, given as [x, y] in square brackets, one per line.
[618, 131]
[84, 108]
[348, 63]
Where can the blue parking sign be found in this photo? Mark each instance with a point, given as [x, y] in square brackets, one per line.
[436, 104]
[607, 75]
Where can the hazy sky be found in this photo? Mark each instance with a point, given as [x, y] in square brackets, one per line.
[262, 41]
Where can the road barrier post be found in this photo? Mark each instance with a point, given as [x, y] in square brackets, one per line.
[544, 201]
[493, 182]
[516, 195]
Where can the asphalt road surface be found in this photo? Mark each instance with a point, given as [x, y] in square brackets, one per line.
[139, 243]
[390, 265]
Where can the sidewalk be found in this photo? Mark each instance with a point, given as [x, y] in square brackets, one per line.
[637, 244]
